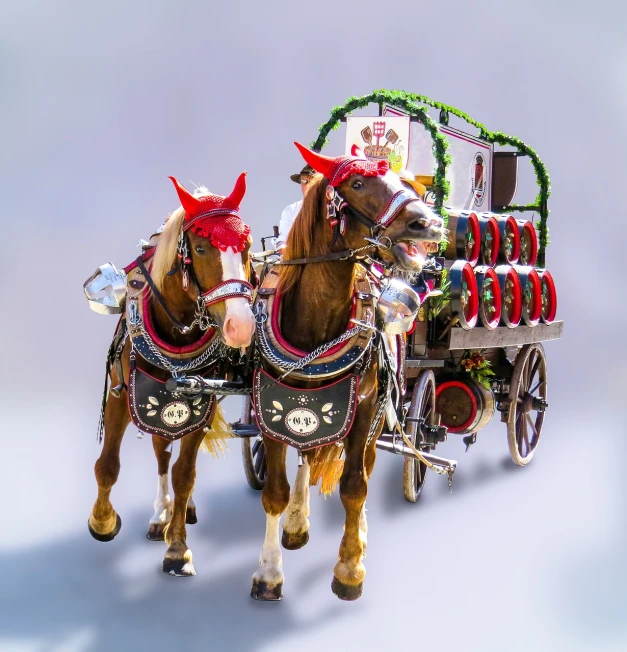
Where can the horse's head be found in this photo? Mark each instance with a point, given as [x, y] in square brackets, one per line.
[211, 243]
[376, 203]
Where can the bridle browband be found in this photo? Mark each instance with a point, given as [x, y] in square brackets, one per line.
[337, 211]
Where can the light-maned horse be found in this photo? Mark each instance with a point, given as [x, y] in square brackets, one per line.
[315, 309]
[208, 267]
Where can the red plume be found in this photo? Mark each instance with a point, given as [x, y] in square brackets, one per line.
[190, 204]
[235, 198]
[320, 163]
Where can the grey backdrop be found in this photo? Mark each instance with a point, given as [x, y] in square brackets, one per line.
[101, 101]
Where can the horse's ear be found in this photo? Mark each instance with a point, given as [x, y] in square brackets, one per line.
[319, 162]
[235, 198]
[355, 151]
[190, 204]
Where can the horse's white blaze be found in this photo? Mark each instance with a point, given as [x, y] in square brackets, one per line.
[163, 502]
[296, 520]
[270, 568]
[238, 312]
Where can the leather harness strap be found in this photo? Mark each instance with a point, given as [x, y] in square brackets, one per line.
[158, 296]
[346, 254]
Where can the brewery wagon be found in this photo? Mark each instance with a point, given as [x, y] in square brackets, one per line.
[488, 300]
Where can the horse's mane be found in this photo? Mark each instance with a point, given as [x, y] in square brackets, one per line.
[301, 241]
[165, 252]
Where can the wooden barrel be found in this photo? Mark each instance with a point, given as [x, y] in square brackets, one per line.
[464, 303]
[489, 296]
[509, 240]
[490, 238]
[464, 240]
[511, 295]
[531, 288]
[549, 297]
[464, 405]
[528, 243]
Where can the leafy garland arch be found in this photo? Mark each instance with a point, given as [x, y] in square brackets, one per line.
[410, 103]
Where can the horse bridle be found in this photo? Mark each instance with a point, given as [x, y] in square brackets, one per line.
[338, 209]
[224, 290]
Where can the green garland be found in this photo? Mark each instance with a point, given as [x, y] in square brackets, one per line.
[409, 102]
[402, 101]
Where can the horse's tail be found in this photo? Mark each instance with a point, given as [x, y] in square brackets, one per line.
[326, 467]
[214, 442]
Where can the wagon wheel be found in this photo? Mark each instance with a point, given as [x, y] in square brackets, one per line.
[253, 451]
[422, 406]
[527, 403]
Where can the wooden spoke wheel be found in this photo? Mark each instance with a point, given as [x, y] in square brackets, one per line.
[253, 451]
[422, 407]
[527, 403]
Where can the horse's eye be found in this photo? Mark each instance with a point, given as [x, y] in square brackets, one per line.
[357, 185]
[199, 249]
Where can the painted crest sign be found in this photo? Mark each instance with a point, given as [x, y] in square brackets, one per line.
[380, 138]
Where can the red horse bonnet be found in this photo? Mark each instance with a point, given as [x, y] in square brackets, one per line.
[340, 168]
[216, 217]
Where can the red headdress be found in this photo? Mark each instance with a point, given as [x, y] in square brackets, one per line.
[340, 168]
[216, 217]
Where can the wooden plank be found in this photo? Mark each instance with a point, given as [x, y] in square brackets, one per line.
[481, 338]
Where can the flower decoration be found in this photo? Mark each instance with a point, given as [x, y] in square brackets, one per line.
[475, 364]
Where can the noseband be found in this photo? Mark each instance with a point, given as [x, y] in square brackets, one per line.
[338, 209]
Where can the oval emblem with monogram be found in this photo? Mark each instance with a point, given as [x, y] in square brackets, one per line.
[302, 421]
[175, 414]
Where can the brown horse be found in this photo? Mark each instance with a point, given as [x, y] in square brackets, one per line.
[316, 306]
[188, 306]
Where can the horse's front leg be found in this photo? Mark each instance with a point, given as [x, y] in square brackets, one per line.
[178, 557]
[296, 524]
[163, 501]
[104, 523]
[371, 453]
[349, 572]
[268, 579]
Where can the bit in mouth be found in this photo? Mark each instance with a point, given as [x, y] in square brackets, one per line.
[418, 250]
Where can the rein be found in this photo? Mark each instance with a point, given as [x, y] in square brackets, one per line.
[159, 297]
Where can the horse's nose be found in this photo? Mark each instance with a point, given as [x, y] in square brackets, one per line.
[238, 330]
[421, 223]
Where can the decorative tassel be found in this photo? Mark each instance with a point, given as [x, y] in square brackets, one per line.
[326, 468]
[331, 477]
[214, 441]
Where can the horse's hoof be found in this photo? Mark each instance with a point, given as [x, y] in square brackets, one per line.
[294, 541]
[155, 532]
[111, 535]
[346, 591]
[261, 591]
[190, 516]
[178, 567]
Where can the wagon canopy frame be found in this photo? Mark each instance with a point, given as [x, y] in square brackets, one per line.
[410, 103]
